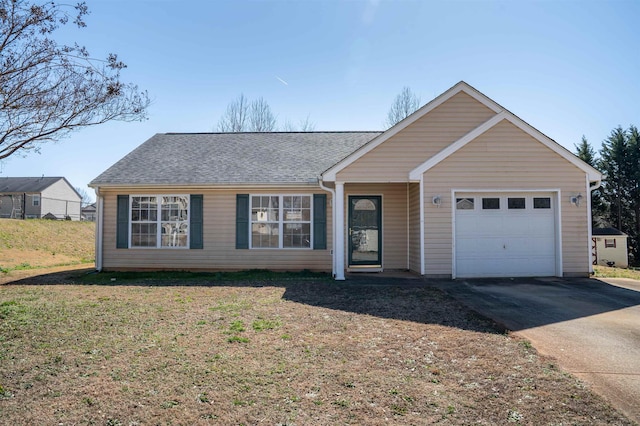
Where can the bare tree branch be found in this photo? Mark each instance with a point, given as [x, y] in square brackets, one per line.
[85, 198]
[288, 126]
[244, 116]
[405, 104]
[307, 125]
[49, 90]
[261, 119]
[235, 117]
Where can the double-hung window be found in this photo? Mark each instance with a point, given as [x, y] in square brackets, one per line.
[159, 221]
[281, 221]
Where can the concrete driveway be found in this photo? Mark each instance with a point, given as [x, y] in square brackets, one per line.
[591, 326]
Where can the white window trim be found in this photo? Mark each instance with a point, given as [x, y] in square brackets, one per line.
[159, 221]
[35, 197]
[281, 222]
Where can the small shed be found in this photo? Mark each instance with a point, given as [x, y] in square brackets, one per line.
[609, 247]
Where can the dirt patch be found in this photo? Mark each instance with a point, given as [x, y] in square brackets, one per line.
[269, 352]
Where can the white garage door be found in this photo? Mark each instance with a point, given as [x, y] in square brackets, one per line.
[505, 234]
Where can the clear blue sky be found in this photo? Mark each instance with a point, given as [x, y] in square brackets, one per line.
[569, 68]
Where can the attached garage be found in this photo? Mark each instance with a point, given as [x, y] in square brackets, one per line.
[460, 188]
[499, 234]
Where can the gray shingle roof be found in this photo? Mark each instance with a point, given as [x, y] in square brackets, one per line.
[26, 184]
[232, 158]
[607, 231]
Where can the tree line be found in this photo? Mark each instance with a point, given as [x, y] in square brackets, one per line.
[243, 115]
[256, 116]
[617, 202]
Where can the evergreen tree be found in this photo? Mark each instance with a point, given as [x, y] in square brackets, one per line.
[586, 153]
[633, 141]
[620, 189]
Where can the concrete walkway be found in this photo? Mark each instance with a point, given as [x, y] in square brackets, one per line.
[591, 326]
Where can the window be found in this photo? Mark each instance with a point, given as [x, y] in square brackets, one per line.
[35, 200]
[464, 203]
[542, 203]
[516, 203]
[610, 243]
[159, 221]
[281, 221]
[491, 203]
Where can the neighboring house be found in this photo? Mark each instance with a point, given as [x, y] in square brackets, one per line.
[89, 212]
[461, 188]
[38, 197]
[609, 248]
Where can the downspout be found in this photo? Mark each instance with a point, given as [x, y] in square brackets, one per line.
[408, 231]
[333, 225]
[99, 227]
[591, 187]
[422, 261]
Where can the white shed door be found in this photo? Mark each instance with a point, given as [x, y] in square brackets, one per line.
[505, 234]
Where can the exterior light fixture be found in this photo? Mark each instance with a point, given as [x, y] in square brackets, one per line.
[576, 199]
[437, 201]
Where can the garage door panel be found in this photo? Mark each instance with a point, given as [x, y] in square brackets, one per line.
[505, 242]
[493, 226]
[514, 227]
[477, 247]
[469, 224]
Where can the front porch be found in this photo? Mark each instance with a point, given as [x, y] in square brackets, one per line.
[377, 228]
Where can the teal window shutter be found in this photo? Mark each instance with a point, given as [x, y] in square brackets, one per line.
[195, 222]
[122, 227]
[242, 221]
[319, 221]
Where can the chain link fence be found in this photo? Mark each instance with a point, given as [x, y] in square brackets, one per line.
[35, 206]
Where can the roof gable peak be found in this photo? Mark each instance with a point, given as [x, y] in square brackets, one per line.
[461, 86]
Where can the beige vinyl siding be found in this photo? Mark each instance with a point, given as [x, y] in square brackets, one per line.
[219, 228]
[504, 157]
[414, 227]
[395, 158]
[394, 221]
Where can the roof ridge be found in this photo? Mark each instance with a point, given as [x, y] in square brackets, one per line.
[273, 133]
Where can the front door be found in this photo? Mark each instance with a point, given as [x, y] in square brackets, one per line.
[365, 230]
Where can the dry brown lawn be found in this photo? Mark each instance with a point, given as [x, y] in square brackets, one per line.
[29, 244]
[303, 352]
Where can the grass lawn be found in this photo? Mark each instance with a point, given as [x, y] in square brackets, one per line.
[39, 243]
[309, 351]
[606, 272]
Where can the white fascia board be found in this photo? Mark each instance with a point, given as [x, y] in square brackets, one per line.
[593, 174]
[330, 174]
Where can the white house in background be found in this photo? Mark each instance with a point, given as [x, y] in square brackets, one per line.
[38, 197]
[89, 212]
[609, 247]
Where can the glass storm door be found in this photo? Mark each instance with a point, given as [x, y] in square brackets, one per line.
[365, 230]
